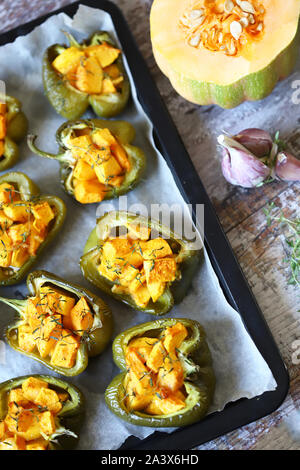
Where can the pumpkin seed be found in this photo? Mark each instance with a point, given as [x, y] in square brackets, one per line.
[259, 27]
[245, 6]
[244, 22]
[228, 6]
[194, 41]
[236, 29]
[195, 14]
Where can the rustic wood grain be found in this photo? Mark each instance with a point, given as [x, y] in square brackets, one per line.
[259, 248]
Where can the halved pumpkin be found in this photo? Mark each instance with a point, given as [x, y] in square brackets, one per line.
[208, 59]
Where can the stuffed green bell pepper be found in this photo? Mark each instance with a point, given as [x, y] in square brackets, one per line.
[13, 128]
[167, 378]
[60, 324]
[139, 262]
[28, 222]
[96, 157]
[39, 412]
[87, 74]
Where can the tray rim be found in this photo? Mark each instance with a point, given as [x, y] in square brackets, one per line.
[232, 280]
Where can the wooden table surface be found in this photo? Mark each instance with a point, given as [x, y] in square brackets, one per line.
[259, 248]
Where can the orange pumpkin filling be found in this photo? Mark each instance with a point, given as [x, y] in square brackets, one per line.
[24, 225]
[224, 26]
[154, 381]
[54, 325]
[138, 266]
[101, 163]
[31, 416]
[90, 69]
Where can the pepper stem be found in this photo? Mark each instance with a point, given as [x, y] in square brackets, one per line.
[71, 39]
[17, 304]
[31, 144]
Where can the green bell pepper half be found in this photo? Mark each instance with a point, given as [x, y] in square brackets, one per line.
[72, 103]
[70, 416]
[93, 342]
[29, 191]
[199, 381]
[174, 292]
[124, 132]
[16, 129]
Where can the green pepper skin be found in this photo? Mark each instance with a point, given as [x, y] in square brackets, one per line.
[174, 292]
[16, 130]
[94, 343]
[29, 191]
[196, 361]
[72, 103]
[70, 416]
[125, 133]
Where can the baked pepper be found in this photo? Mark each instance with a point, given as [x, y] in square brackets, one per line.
[96, 157]
[167, 379]
[28, 222]
[91, 73]
[13, 128]
[39, 412]
[139, 262]
[60, 324]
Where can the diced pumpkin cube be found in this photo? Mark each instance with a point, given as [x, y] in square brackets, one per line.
[141, 296]
[118, 81]
[19, 233]
[116, 181]
[16, 395]
[140, 232]
[81, 145]
[103, 138]
[24, 423]
[84, 171]
[156, 357]
[43, 214]
[88, 192]
[5, 222]
[116, 248]
[13, 443]
[157, 248]
[35, 239]
[48, 398]
[37, 444]
[89, 76]
[156, 289]
[107, 269]
[19, 257]
[160, 270]
[143, 346]
[134, 401]
[50, 333]
[128, 274]
[171, 376]
[164, 406]
[2, 429]
[3, 108]
[81, 317]
[47, 423]
[112, 71]
[7, 193]
[32, 386]
[120, 290]
[107, 170]
[105, 53]
[68, 60]
[63, 396]
[34, 312]
[26, 338]
[174, 336]
[2, 126]
[138, 281]
[57, 300]
[5, 250]
[18, 212]
[121, 155]
[65, 351]
[108, 86]
[138, 372]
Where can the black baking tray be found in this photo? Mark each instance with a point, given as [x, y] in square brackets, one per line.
[231, 278]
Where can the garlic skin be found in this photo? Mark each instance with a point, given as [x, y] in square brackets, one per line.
[287, 167]
[258, 141]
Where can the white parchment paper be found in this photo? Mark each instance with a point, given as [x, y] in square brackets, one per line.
[239, 367]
